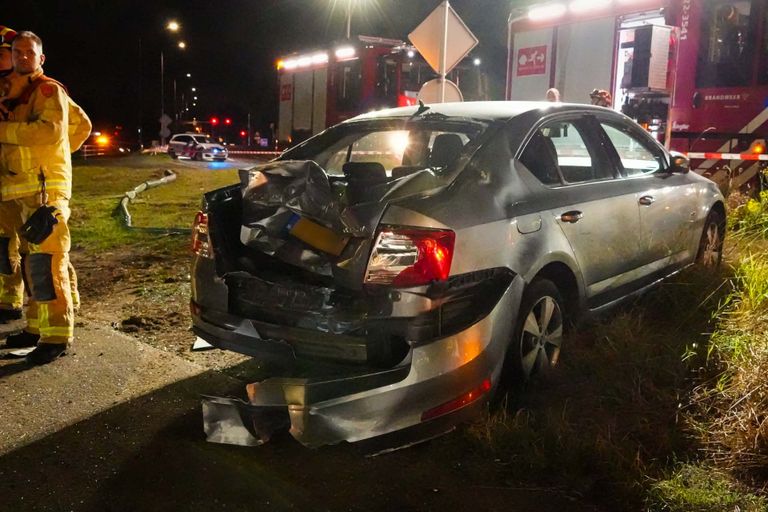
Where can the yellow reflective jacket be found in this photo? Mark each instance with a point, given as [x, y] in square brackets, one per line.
[39, 136]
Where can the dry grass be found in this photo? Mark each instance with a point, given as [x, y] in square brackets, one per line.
[730, 410]
[608, 420]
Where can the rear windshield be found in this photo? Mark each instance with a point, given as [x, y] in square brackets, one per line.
[397, 145]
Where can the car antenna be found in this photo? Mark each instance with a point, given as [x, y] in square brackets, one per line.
[422, 108]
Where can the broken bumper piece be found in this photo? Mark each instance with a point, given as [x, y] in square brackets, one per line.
[439, 384]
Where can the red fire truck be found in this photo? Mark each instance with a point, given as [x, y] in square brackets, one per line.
[323, 87]
[693, 72]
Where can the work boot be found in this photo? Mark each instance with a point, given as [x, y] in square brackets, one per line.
[8, 315]
[23, 339]
[44, 353]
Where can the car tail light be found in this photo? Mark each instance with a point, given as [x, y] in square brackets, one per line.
[200, 242]
[458, 402]
[406, 257]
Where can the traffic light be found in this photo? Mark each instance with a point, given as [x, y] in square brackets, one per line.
[243, 133]
[214, 121]
[227, 121]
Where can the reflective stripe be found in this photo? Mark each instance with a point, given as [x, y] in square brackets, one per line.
[33, 323]
[14, 300]
[42, 315]
[12, 133]
[57, 331]
[29, 188]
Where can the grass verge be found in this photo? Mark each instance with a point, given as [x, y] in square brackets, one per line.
[98, 189]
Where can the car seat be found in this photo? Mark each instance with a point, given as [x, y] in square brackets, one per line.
[446, 148]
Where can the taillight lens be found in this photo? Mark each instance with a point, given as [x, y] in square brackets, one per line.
[200, 242]
[406, 257]
[458, 402]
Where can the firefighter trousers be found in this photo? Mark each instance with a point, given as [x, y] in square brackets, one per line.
[13, 253]
[11, 284]
[50, 312]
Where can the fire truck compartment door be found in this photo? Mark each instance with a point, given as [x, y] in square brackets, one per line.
[531, 64]
[309, 100]
[584, 58]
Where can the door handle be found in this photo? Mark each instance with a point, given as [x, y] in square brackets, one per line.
[646, 200]
[571, 217]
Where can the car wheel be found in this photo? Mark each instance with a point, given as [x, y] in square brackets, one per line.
[538, 333]
[198, 155]
[172, 154]
[711, 244]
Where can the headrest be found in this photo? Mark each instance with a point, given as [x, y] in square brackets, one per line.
[446, 149]
[364, 171]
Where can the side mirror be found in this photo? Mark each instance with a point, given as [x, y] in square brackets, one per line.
[679, 163]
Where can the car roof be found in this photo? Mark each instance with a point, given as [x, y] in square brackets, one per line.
[485, 110]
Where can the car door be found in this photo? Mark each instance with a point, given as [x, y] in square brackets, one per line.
[666, 202]
[583, 193]
[179, 142]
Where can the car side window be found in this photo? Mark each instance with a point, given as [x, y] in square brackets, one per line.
[559, 149]
[573, 156]
[540, 158]
[636, 156]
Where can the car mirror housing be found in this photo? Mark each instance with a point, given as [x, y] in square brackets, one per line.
[679, 163]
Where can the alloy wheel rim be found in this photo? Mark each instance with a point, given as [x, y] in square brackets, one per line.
[710, 256]
[541, 337]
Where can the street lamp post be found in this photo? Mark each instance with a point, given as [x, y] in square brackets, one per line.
[172, 26]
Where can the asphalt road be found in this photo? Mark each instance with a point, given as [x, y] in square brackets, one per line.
[117, 426]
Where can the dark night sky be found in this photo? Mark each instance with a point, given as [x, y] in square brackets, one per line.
[92, 46]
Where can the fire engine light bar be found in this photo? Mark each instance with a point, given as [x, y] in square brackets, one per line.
[345, 52]
[320, 58]
[303, 61]
[547, 12]
[581, 6]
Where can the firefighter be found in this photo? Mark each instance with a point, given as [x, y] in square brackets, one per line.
[36, 175]
[601, 97]
[11, 295]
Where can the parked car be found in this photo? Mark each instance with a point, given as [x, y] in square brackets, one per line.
[197, 147]
[402, 266]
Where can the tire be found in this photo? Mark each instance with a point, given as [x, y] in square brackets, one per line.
[172, 154]
[538, 333]
[710, 253]
[198, 155]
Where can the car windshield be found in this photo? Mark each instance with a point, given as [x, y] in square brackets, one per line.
[202, 139]
[394, 144]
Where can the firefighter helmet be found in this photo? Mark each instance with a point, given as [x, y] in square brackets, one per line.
[6, 36]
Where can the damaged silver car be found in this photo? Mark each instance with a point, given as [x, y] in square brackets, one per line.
[400, 267]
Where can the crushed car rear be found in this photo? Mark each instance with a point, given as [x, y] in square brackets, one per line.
[334, 263]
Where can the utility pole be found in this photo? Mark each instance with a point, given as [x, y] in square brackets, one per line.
[249, 129]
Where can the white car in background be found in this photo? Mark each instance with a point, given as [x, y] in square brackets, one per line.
[196, 147]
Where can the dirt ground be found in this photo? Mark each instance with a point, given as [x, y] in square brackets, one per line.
[147, 297]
